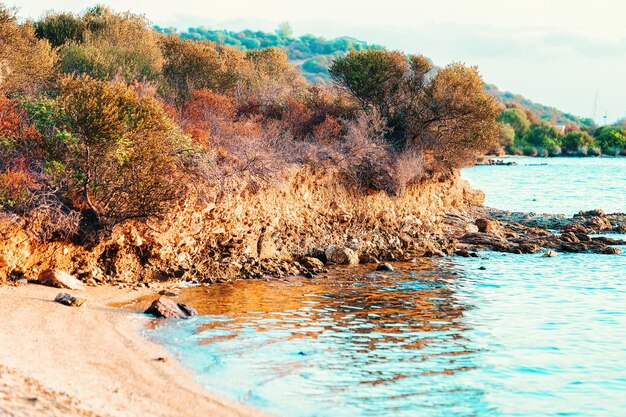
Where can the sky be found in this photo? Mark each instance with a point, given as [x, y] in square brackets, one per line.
[561, 53]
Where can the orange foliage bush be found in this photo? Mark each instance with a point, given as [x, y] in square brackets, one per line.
[327, 131]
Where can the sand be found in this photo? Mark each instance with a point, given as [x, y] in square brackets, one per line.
[91, 361]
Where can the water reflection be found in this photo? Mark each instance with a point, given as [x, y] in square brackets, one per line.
[359, 343]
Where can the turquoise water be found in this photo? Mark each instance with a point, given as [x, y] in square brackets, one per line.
[527, 336]
[553, 185]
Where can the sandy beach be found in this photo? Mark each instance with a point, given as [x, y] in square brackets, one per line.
[91, 361]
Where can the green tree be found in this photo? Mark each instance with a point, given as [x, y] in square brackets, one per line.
[517, 119]
[577, 142]
[61, 28]
[544, 137]
[611, 139]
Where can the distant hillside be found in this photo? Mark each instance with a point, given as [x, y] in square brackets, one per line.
[314, 54]
[545, 113]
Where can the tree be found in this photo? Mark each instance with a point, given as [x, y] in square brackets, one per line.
[611, 139]
[517, 119]
[26, 63]
[106, 45]
[577, 142]
[124, 160]
[284, 30]
[448, 116]
[61, 28]
[506, 138]
[459, 121]
[543, 136]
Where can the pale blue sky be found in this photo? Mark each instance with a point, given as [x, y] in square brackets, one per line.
[556, 52]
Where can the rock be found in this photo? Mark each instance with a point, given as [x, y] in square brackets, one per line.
[609, 250]
[549, 254]
[489, 226]
[529, 248]
[463, 253]
[385, 267]
[69, 300]
[591, 213]
[608, 240]
[312, 264]
[187, 309]
[575, 228]
[308, 275]
[59, 279]
[167, 308]
[569, 237]
[583, 237]
[482, 239]
[483, 268]
[598, 224]
[367, 258]
[169, 293]
[342, 256]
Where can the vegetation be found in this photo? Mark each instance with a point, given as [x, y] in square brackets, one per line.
[103, 119]
[312, 54]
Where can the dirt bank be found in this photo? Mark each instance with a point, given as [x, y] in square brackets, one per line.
[250, 233]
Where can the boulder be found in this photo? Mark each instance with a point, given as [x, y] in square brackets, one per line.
[549, 254]
[569, 237]
[529, 248]
[341, 256]
[69, 300]
[591, 213]
[60, 279]
[489, 226]
[575, 228]
[609, 250]
[312, 264]
[598, 224]
[167, 308]
[385, 267]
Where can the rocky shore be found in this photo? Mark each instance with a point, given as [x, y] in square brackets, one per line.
[525, 233]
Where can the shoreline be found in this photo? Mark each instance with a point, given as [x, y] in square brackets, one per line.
[92, 361]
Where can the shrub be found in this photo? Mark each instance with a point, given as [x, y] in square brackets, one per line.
[449, 115]
[577, 143]
[26, 63]
[542, 135]
[611, 139]
[124, 162]
[107, 45]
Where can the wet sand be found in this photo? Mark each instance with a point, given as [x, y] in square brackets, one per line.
[91, 361]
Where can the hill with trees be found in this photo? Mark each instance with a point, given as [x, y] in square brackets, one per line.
[314, 55]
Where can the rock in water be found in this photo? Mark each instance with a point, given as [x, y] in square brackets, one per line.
[59, 279]
[341, 256]
[69, 300]
[610, 250]
[385, 267]
[312, 264]
[167, 308]
[189, 310]
[490, 226]
[549, 254]
[599, 224]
